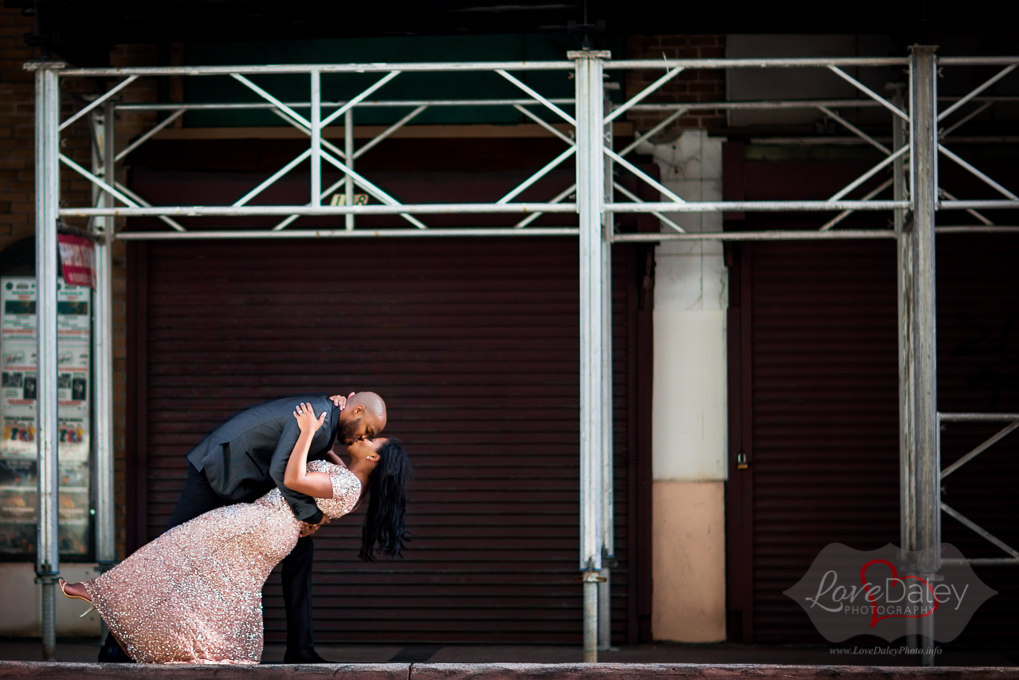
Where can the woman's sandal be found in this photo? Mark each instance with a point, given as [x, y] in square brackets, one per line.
[62, 584]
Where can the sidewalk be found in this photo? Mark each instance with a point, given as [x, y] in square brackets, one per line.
[85, 651]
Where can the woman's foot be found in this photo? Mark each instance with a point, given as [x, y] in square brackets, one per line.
[74, 590]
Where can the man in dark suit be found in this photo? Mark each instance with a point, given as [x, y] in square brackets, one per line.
[244, 458]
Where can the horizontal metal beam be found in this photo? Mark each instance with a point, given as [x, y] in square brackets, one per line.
[982, 562]
[806, 235]
[423, 67]
[665, 106]
[978, 229]
[992, 204]
[325, 210]
[371, 103]
[615, 64]
[810, 235]
[756, 206]
[761, 104]
[978, 417]
[977, 61]
[344, 233]
[483, 66]
[856, 141]
[488, 208]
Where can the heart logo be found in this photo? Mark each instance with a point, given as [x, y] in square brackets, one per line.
[874, 618]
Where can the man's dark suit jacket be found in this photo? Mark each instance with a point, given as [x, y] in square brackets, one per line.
[247, 455]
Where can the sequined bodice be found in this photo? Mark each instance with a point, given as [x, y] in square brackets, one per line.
[194, 595]
[346, 491]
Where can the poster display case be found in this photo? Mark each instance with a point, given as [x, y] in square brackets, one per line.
[18, 416]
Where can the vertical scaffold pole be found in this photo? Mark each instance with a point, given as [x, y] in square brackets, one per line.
[923, 162]
[907, 409]
[102, 349]
[348, 142]
[316, 138]
[47, 202]
[590, 189]
[608, 533]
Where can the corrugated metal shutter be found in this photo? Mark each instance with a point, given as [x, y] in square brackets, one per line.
[473, 343]
[814, 397]
[825, 415]
[978, 371]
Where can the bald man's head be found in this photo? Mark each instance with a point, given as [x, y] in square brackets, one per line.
[364, 416]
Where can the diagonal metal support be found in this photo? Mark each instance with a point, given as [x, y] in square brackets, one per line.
[870, 173]
[149, 135]
[866, 197]
[669, 75]
[537, 119]
[974, 213]
[561, 196]
[388, 131]
[653, 131]
[95, 180]
[372, 189]
[333, 187]
[637, 199]
[869, 92]
[359, 98]
[273, 100]
[272, 179]
[855, 130]
[307, 130]
[979, 529]
[980, 109]
[643, 175]
[145, 204]
[1004, 432]
[986, 84]
[538, 175]
[559, 112]
[96, 102]
[987, 180]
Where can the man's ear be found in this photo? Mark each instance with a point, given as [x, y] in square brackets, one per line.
[359, 409]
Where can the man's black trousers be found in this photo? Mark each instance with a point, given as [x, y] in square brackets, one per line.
[198, 498]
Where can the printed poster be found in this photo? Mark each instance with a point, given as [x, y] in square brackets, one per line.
[18, 363]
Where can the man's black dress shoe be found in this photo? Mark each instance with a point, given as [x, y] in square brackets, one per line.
[303, 656]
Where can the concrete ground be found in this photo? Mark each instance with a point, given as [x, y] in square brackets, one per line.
[28, 649]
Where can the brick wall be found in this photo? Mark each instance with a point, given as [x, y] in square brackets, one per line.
[699, 85]
[17, 179]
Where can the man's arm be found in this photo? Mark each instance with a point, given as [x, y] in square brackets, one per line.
[303, 506]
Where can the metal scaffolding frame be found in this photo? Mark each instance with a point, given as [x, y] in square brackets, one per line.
[916, 145]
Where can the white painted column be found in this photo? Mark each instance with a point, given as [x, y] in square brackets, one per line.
[689, 433]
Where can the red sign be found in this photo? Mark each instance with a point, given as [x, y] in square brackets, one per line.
[78, 259]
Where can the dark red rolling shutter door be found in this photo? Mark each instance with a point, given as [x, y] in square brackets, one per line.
[978, 371]
[474, 344]
[825, 415]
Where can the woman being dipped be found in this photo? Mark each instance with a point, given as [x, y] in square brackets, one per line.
[194, 595]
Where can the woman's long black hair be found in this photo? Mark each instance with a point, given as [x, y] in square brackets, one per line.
[384, 527]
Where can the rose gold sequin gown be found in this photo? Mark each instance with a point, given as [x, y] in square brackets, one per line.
[194, 595]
